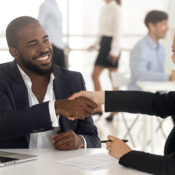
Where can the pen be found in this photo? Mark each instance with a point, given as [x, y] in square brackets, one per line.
[104, 141]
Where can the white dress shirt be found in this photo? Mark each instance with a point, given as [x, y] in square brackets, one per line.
[42, 139]
[50, 18]
[110, 25]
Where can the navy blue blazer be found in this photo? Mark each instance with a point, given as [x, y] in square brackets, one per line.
[18, 120]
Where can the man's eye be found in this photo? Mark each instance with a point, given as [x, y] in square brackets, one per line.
[46, 40]
[31, 45]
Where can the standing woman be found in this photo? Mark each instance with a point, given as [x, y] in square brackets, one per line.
[109, 38]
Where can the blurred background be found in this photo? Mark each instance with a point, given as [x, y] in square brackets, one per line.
[80, 28]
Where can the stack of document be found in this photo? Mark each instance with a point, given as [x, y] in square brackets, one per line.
[91, 162]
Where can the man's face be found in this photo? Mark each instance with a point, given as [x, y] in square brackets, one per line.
[173, 50]
[160, 29]
[34, 50]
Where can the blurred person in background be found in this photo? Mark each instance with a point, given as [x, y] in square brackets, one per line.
[109, 41]
[50, 18]
[147, 58]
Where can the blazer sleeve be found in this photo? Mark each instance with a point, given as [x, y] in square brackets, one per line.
[87, 129]
[15, 123]
[158, 104]
[154, 164]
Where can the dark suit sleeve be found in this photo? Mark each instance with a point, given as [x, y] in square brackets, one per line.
[154, 164]
[87, 129]
[158, 104]
[162, 105]
[15, 123]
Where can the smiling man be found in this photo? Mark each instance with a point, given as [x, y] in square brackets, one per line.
[147, 58]
[34, 110]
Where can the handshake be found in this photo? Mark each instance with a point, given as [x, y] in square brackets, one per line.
[80, 105]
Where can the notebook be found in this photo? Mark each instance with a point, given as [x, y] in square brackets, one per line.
[10, 158]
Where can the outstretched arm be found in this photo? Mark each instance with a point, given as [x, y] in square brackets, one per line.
[140, 102]
[158, 104]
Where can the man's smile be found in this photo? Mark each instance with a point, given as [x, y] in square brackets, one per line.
[44, 59]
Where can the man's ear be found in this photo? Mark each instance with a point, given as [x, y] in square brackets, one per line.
[151, 26]
[14, 52]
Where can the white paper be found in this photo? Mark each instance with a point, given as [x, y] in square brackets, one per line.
[91, 162]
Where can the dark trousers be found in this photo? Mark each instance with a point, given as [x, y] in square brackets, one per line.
[58, 56]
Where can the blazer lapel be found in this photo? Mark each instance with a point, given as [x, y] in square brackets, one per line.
[60, 89]
[19, 89]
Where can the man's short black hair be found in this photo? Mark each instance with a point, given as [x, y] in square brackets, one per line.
[155, 16]
[13, 28]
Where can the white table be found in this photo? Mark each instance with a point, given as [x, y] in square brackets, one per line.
[154, 86]
[44, 165]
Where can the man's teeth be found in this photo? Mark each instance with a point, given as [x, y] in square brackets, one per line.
[43, 58]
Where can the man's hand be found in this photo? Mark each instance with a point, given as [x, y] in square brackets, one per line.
[98, 96]
[117, 148]
[78, 108]
[67, 140]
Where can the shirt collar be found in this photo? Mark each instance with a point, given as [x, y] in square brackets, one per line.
[27, 79]
[151, 42]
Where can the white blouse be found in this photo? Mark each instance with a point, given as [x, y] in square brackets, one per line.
[110, 25]
[50, 18]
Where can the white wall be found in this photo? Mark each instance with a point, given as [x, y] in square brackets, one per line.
[83, 17]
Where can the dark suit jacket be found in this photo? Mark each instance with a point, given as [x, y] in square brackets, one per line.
[162, 105]
[18, 120]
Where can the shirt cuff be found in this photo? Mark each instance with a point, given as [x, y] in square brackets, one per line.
[85, 144]
[54, 119]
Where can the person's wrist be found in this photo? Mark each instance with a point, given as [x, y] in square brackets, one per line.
[80, 142]
[58, 106]
[101, 97]
[126, 152]
[125, 155]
